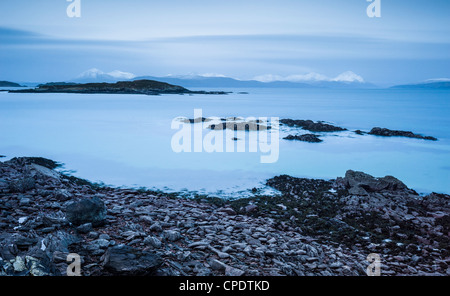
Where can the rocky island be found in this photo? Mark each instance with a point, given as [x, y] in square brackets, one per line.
[313, 227]
[143, 87]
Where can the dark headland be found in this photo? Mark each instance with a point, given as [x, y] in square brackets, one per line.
[9, 84]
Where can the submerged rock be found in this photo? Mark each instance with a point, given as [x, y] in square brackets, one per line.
[311, 138]
[22, 185]
[384, 132]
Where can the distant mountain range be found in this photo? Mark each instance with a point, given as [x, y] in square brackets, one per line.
[312, 80]
[345, 80]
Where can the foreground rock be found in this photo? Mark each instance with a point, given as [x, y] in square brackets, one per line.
[314, 227]
[384, 132]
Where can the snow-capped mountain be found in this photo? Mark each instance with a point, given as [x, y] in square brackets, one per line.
[96, 75]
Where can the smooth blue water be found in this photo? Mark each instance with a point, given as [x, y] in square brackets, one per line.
[126, 139]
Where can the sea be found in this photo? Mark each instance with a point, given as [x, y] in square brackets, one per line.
[128, 140]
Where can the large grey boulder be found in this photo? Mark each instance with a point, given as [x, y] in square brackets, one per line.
[91, 210]
[360, 183]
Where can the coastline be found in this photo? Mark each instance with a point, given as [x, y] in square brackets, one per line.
[315, 227]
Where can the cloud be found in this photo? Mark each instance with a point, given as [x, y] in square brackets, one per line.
[347, 76]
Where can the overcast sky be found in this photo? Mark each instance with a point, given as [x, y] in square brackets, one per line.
[242, 39]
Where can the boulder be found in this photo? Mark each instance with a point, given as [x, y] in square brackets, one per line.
[91, 210]
[22, 185]
[127, 261]
[360, 183]
[38, 170]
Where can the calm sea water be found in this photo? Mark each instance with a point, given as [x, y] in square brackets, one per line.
[125, 140]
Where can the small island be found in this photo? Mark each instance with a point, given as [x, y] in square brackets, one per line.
[143, 87]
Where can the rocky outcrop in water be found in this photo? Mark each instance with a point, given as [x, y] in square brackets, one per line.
[384, 132]
[312, 126]
[311, 138]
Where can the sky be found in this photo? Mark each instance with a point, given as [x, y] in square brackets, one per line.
[243, 39]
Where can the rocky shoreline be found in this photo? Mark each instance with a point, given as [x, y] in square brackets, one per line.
[312, 228]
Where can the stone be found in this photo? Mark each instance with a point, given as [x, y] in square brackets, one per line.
[231, 271]
[128, 261]
[153, 241]
[85, 228]
[91, 210]
[22, 185]
[218, 265]
[62, 195]
[171, 235]
[19, 264]
[251, 208]
[156, 227]
[361, 183]
[24, 201]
